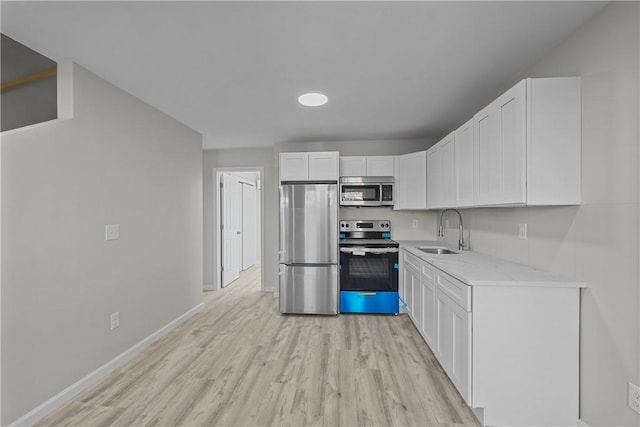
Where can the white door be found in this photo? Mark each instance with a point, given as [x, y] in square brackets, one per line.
[249, 222]
[231, 211]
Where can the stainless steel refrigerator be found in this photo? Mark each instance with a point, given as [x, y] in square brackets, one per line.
[309, 248]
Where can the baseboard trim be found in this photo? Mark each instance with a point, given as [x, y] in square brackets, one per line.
[74, 389]
[582, 423]
[209, 287]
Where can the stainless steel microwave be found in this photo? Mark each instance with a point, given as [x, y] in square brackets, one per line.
[366, 191]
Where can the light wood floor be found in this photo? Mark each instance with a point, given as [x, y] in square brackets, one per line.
[240, 363]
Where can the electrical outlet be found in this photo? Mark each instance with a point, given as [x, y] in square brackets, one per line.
[115, 320]
[415, 223]
[111, 231]
[522, 231]
[634, 397]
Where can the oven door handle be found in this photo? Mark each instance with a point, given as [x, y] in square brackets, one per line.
[362, 250]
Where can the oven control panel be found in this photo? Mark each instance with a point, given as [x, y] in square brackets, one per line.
[365, 225]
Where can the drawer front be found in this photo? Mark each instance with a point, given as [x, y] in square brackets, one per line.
[427, 272]
[369, 302]
[411, 261]
[456, 290]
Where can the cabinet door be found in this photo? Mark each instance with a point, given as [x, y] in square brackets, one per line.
[412, 181]
[487, 148]
[323, 166]
[294, 166]
[428, 303]
[511, 107]
[379, 166]
[353, 165]
[417, 303]
[460, 327]
[447, 172]
[442, 347]
[499, 143]
[433, 177]
[463, 141]
[408, 279]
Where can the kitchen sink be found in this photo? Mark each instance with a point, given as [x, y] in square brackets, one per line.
[438, 251]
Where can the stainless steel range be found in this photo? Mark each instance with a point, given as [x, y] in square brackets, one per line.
[368, 267]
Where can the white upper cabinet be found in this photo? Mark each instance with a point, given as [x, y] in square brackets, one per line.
[444, 168]
[434, 198]
[411, 181]
[380, 165]
[294, 166]
[463, 165]
[500, 147]
[314, 166]
[554, 139]
[353, 165]
[527, 145]
[366, 165]
[441, 173]
[323, 166]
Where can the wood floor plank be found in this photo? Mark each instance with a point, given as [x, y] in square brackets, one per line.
[239, 362]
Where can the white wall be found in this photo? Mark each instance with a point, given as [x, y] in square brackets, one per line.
[117, 161]
[598, 241]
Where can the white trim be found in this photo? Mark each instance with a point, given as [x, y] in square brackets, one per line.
[31, 127]
[68, 393]
[582, 423]
[217, 262]
[209, 287]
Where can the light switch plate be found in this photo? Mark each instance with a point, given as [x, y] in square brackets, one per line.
[522, 231]
[115, 320]
[111, 231]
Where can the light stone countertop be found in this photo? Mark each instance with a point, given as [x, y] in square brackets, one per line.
[476, 269]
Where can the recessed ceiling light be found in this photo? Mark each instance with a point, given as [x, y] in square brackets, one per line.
[312, 99]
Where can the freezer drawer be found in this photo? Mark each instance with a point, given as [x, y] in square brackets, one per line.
[309, 289]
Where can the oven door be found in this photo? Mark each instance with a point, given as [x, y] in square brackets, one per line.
[369, 269]
[360, 195]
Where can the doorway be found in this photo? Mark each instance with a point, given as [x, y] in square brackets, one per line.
[238, 223]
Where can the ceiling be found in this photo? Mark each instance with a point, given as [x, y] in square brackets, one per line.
[234, 70]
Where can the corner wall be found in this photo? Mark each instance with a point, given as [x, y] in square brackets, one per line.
[598, 241]
[117, 161]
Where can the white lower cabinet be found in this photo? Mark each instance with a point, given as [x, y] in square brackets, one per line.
[512, 352]
[453, 336]
[428, 284]
[410, 281]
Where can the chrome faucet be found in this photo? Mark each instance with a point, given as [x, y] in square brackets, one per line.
[460, 227]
